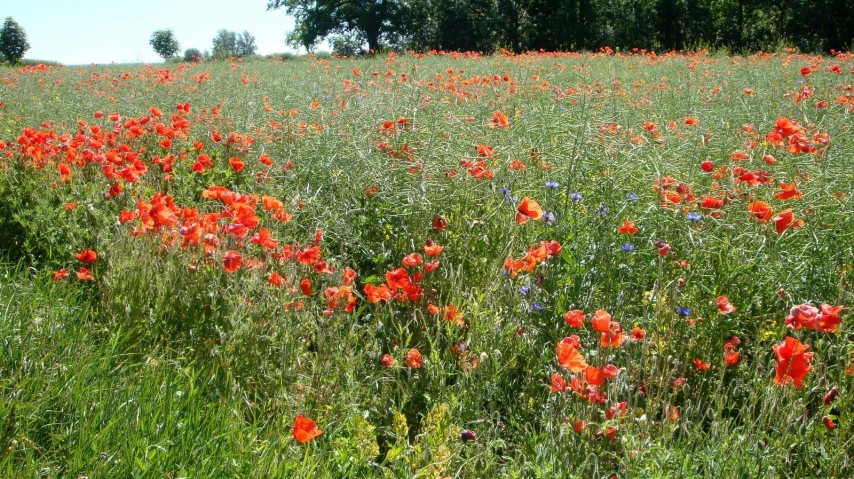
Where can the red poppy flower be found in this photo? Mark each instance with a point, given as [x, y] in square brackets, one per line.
[499, 120]
[558, 383]
[712, 203]
[574, 318]
[413, 259]
[440, 223]
[790, 191]
[87, 256]
[61, 274]
[723, 305]
[627, 228]
[785, 220]
[305, 429]
[379, 293]
[701, 365]
[232, 261]
[236, 164]
[569, 357]
[387, 361]
[760, 210]
[793, 362]
[594, 376]
[485, 150]
[528, 209]
[601, 321]
[305, 286]
[413, 358]
[433, 249]
[85, 274]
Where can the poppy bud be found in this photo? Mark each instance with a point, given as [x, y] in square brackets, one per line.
[707, 166]
[468, 435]
[831, 396]
[828, 423]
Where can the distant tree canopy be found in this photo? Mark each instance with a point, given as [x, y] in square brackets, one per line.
[520, 25]
[231, 44]
[13, 41]
[164, 43]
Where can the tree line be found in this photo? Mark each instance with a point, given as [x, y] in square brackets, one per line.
[561, 25]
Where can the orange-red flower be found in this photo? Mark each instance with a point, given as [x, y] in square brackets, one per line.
[485, 150]
[87, 256]
[499, 120]
[701, 365]
[569, 357]
[379, 293]
[305, 429]
[231, 262]
[433, 249]
[723, 305]
[785, 220]
[601, 321]
[790, 191]
[305, 286]
[558, 383]
[413, 358]
[528, 209]
[574, 318]
[413, 259]
[793, 362]
[85, 274]
[627, 228]
[760, 210]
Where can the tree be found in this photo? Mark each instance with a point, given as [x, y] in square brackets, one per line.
[372, 21]
[164, 43]
[246, 44]
[192, 55]
[225, 44]
[13, 41]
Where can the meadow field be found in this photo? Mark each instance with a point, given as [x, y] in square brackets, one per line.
[448, 265]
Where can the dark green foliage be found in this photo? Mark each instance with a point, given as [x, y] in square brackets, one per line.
[345, 45]
[228, 44]
[164, 43]
[522, 25]
[192, 55]
[225, 44]
[372, 21]
[13, 41]
[246, 44]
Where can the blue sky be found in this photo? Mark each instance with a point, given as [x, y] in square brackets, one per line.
[98, 31]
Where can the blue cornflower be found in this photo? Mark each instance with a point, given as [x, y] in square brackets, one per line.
[694, 216]
[632, 197]
[538, 306]
[628, 248]
[684, 311]
[552, 185]
[576, 197]
[549, 217]
[602, 210]
[524, 289]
